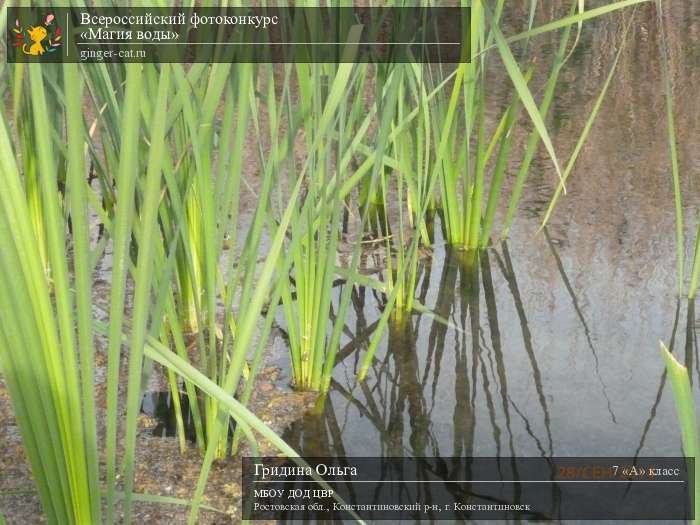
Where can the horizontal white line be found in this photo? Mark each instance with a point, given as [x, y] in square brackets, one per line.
[268, 43]
[472, 481]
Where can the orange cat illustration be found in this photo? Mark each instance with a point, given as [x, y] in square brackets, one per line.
[36, 35]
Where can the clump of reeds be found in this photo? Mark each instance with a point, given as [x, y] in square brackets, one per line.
[203, 286]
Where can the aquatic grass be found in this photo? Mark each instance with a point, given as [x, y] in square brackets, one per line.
[462, 172]
[306, 296]
[468, 175]
[430, 184]
[401, 163]
[671, 139]
[199, 235]
[588, 125]
[465, 162]
[146, 197]
[222, 276]
[376, 171]
[245, 283]
[685, 410]
[143, 278]
[121, 236]
[464, 224]
[38, 351]
[170, 181]
[66, 490]
[128, 207]
[247, 323]
[675, 169]
[534, 137]
[408, 160]
[164, 262]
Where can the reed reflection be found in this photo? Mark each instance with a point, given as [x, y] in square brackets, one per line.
[440, 377]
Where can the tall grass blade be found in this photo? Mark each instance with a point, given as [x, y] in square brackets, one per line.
[143, 279]
[685, 409]
[587, 127]
[673, 152]
[126, 182]
[82, 270]
[573, 19]
[528, 102]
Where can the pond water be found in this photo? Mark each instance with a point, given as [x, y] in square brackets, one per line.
[553, 343]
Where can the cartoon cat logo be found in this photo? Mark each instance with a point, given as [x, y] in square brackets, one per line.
[40, 39]
[36, 35]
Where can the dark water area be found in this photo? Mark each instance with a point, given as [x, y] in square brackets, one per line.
[160, 406]
[552, 347]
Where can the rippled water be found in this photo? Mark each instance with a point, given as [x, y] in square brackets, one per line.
[554, 343]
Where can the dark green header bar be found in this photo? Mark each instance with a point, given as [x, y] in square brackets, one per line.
[241, 34]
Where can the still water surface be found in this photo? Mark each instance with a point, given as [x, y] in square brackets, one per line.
[553, 348]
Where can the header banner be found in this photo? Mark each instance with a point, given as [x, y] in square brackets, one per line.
[239, 34]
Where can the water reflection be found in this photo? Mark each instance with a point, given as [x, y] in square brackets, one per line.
[436, 377]
[472, 378]
[690, 355]
[494, 370]
[579, 314]
[548, 345]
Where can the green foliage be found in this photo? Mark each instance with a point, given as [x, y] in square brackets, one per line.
[195, 285]
[38, 349]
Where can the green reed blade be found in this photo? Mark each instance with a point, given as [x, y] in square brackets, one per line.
[673, 153]
[126, 182]
[685, 410]
[142, 281]
[528, 102]
[586, 128]
[534, 138]
[82, 271]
